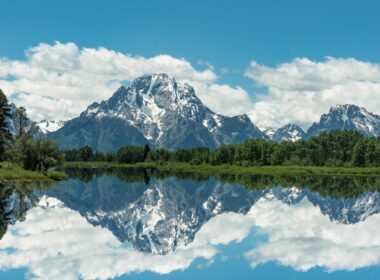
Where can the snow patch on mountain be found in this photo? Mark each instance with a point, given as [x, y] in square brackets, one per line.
[269, 131]
[347, 117]
[289, 132]
[50, 126]
[157, 110]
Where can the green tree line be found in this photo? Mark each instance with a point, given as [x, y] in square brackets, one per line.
[333, 149]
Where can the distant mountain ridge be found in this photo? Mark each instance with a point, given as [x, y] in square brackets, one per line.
[289, 132]
[347, 117]
[156, 110]
[339, 117]
[47, 126]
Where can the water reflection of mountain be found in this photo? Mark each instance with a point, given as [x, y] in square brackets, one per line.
[157, 215]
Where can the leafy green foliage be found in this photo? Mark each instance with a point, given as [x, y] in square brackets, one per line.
[130, 154]
[11, 172]
[30, 153]
[21, 119]
[86, 154]
[35, 154]
[332, 149]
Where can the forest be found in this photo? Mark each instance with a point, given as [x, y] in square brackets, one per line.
[330, 149]
[22, 144]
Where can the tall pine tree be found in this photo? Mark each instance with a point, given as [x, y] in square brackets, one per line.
[21, 121]
[359, 153]
[5, 114]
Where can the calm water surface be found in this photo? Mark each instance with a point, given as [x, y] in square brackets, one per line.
[142, 225]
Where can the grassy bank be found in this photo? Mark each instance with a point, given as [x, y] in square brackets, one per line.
[10, 172]
[234, 169]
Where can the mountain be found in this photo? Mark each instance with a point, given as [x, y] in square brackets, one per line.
[50, 126]
[347, 117]
[289, 132]
[156, 110]
[269, 132]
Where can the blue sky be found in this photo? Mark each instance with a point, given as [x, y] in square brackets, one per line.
[226, 34]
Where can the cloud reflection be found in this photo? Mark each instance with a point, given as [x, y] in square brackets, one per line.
[56, 242]
[301, 237]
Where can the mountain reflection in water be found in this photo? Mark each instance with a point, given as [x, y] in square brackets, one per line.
[105, 223]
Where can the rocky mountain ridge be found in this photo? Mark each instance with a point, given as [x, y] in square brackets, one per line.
[156, 110]
[47, 126]
[159, 111]
[347, 117]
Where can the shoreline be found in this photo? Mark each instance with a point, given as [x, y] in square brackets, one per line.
[11, 173]
[235, 169]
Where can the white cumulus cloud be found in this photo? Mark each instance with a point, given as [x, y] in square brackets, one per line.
[58, 81]
[301, 90]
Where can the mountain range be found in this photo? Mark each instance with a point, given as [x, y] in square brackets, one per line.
[159, 111]
[347, 117]
[154, 110]
[339, 117]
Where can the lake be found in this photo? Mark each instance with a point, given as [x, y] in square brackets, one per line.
[140, 224]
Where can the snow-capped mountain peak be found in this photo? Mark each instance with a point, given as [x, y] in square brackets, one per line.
[347, 117]
[269, 131]
[49, 126]
[289, 132]
[158, 110]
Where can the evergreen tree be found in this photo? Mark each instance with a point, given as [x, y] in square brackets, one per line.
[335, 148]
[21, 121]
[359, 152]
[146, 151]
[130, 154]
[5, 114]
[85, 153]
[371, 155]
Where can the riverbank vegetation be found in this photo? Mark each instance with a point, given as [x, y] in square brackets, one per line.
[234, 169]
[24, 154]
[12, 172]
[336, 152]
